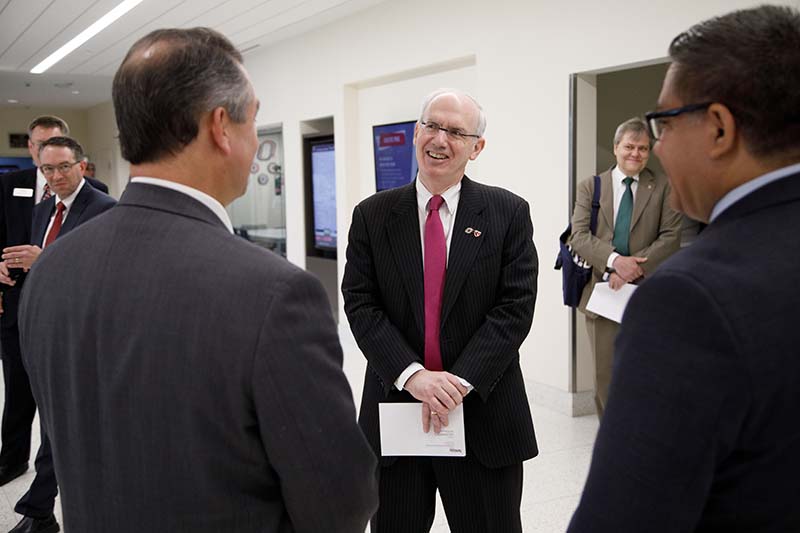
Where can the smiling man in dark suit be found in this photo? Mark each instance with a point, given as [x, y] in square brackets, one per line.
[439, 289]
[74, 202]
[701, 429]
[202, 389]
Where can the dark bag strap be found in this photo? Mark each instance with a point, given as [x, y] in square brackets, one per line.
[595, 205]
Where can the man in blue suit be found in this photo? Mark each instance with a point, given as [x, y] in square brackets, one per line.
[74, 202]
[701, 432]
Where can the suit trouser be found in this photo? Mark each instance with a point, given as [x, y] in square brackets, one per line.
[19, 407]
[602, 333]
[476, 499]
[40, 499]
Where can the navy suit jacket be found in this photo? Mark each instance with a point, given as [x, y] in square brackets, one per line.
[701, 431]
[89, 203]
[487, 310]
[17, 197]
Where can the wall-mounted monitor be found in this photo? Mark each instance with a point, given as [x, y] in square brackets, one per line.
[320, 154]
[395, 160]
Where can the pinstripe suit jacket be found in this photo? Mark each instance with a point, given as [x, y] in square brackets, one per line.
[487, 310]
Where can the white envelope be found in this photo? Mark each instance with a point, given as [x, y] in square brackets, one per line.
[401, 432]
[609, 303]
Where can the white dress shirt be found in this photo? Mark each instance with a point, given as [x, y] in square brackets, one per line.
[198, 195]
[68, 201]
[40, 183]
[617, 177]
[447, 213]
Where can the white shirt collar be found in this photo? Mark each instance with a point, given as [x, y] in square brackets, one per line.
[450, 196]
[198, 195]
[618, 175]
[68, 201]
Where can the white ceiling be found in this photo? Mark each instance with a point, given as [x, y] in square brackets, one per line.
[30, 30]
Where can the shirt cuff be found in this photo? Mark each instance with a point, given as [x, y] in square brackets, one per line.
[415, 367]
[611, 258]
[410, 370]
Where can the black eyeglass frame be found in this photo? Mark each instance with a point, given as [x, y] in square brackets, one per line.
[653, 116]
[458, 134]
[63, 168]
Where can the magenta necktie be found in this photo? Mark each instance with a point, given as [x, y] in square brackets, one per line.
[435, 267]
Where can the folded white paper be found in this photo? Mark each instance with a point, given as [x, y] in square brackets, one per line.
[609, 303]
[401, 432]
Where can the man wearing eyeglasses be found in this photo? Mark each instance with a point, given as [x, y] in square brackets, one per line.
[636, 230]
[439, 289]
[72, 203]
[701, 429]
[19, 192]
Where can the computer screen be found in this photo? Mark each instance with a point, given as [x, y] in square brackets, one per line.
[323, 180]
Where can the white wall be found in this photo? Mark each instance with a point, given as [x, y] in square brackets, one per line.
[514, 56]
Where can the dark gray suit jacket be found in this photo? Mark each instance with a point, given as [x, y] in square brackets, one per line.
[190, 381]
[487, 310]
[701, 431]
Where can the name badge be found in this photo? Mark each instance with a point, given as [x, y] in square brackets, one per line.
[23, 193]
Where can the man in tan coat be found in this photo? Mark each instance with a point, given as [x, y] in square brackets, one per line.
[636, 231]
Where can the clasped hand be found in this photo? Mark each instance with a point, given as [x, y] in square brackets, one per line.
[439, 392]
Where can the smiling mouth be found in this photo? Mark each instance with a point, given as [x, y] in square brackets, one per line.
[436, 155]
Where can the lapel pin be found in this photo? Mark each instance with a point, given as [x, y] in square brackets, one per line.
[477, 233]
[468, 231]
[649, 185]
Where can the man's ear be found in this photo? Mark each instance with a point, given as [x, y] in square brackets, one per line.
[477, 149]
[219, 122]
[723, 130]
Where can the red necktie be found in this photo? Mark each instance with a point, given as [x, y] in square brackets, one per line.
[435, 267]
[56, 227]
[47, 192]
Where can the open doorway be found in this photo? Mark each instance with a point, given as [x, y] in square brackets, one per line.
[599, 101]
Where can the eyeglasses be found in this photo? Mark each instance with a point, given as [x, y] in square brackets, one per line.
[656, 122]
[432, 128]
[63, 168]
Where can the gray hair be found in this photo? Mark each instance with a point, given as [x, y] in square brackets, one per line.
[635, 125]
[480, 127]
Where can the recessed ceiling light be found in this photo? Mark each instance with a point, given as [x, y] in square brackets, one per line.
[13, 101]
[103, 22]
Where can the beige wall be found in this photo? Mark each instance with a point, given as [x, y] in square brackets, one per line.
[15, 119]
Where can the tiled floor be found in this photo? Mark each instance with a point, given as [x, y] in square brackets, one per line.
[553, 480]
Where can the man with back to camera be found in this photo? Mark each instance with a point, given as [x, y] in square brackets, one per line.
[636, 231]
[19, 192]
[442, 273]
[701, 430]
[74, 202]
[203, 390]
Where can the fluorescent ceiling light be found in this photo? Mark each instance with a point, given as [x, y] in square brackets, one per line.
[103, 22]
